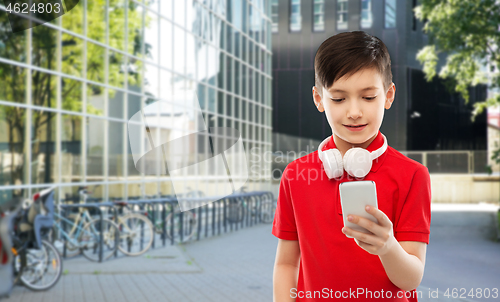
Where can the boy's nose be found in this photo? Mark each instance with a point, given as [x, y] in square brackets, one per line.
[354, 112]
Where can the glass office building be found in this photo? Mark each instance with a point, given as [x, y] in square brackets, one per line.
[69, 87]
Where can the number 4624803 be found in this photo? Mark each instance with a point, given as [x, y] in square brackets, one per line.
[473, 293]
[36, 8]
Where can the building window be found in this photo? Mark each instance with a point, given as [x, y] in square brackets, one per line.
[390, 13]
[295, 16]
[366, 14]
[414, 23]
[274, 15]
[319, 15]
[341, 14]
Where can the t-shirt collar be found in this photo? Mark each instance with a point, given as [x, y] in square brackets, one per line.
[374, 145]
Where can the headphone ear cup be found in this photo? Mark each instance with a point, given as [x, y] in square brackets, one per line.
[333, 163]
[357, 162]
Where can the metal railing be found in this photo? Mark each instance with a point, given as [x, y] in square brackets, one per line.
[462, 161]
[213, 218]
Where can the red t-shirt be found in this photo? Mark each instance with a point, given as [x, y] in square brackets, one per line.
[332, 265]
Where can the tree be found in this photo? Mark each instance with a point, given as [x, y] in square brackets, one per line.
[43, 85]
[468, 31]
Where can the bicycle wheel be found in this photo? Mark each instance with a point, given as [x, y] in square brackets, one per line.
[59, 243]
[235, 211]
[90, 239]
[43, 267]
[267, 211]
[189, 226]
[136, 234]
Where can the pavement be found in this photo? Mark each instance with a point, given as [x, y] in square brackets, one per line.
[237, 266]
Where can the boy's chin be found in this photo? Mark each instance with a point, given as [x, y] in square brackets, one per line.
[354, 138]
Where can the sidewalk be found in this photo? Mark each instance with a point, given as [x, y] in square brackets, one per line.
[232, 267]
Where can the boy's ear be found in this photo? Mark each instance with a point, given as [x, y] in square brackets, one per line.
[317, 99]
[390, 95]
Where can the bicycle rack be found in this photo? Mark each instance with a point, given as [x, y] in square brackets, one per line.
[214, 214]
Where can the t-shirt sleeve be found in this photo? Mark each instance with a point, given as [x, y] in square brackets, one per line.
[284, 226]
[415, 218]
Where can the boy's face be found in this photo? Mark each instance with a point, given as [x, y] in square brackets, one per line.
[347, 103]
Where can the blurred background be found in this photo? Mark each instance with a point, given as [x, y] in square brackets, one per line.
[68, 88]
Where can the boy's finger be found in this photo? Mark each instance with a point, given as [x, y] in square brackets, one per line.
[364, 237]
[383, 220]
[367, 224]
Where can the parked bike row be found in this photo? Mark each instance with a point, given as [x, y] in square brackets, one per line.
[41, 236]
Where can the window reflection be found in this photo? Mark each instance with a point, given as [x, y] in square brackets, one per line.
[117, 25]
[366, 14]
[151, 85]
[12, 45]
[179, 49]
[95, 149]
[71, 94]
[74, 21]
[13, 79]
[151, 37]
[390, 13]
[342, 14]
[319, 15]
[115, 149]
[115, 103]
[134, 27]
[72, 55]
[117, 69]
[95, 62]
[12, 138]
[96, 20]
[44, 47]
[166, 8]
[274, 15]
[166, 45]
[237, 77]
[295, 16]
[71, 140]
[42, 146]
[148, 60]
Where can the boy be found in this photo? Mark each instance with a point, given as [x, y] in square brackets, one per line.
[314, 259]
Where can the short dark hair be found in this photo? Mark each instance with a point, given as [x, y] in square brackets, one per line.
[347, 53]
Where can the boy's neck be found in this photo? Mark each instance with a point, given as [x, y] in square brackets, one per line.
[343, 145]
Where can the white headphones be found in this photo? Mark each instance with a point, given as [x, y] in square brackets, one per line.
[357, 161]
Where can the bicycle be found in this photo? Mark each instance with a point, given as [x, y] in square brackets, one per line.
[136, 231]
[184, 223]
[267, 210]
[238, 207]
[37, 263]
[85, 235]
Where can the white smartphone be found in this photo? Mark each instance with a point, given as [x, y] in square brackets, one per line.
[354, 197]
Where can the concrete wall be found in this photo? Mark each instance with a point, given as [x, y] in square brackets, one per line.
[465, 188]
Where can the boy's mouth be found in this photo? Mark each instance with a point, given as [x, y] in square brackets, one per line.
[355, 126]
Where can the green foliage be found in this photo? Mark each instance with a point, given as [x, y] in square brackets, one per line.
[45, 45]
[468, 30]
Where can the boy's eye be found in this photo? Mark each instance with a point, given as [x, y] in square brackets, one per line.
[340, 100]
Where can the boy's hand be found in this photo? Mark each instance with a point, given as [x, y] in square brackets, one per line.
[382, 238]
